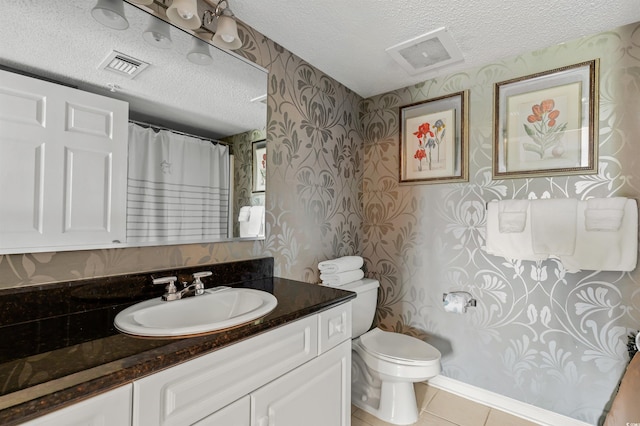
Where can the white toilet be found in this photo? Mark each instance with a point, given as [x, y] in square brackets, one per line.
[385, 365]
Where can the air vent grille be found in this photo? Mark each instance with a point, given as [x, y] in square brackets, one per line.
[426, 52]
[124, 65]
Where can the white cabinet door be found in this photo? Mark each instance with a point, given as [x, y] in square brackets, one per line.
[236, 414]
[315, 394]
[112, 408]
[188, 392]
[63, 166]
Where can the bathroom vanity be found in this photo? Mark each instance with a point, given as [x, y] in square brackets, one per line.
[291, 366]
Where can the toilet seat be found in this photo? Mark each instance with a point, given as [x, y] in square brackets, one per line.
[399, 348]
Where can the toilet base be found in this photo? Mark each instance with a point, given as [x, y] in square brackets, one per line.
[397, 403]
[391, 401]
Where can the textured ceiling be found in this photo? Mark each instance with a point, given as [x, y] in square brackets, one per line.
[347, 38]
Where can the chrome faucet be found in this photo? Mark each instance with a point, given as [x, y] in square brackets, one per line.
[199, 286]
[172, 293]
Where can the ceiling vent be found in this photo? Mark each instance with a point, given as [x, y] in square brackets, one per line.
[124, 65]
[426, 52]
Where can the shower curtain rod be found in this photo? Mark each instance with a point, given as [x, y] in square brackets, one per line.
[158, 127]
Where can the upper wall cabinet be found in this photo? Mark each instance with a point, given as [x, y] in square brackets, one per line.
[63, 167]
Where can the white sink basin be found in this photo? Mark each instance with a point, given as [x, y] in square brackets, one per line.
[216, 309]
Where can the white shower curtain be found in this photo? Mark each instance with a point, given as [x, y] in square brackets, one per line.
[178, 187]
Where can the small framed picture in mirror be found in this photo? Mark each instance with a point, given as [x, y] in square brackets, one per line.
[259, 151]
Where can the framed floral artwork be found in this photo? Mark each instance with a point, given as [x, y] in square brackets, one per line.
[545, 124]
[433, 140]
[259, 166]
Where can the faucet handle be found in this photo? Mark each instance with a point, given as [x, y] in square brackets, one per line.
[199, 285]
[165, 280]
[171, 289]
[198, 275]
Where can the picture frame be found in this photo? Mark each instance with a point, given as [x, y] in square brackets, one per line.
[259, 165]
[545, 124]
[434, 140]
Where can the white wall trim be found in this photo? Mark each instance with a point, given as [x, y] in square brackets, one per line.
[503, 403]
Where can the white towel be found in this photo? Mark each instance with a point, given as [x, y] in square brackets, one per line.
[604, 214]
[512, 216]
[510, 245]
[243, 215]
[553, 226]
[341, 264]
[341, 278]
[605, 251]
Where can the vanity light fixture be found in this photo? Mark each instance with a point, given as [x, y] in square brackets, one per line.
[226, 35]
[184, 13]
[158, 33]
[110, 13]
[199, 53]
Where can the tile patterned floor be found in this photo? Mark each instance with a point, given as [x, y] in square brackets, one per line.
[440, 408]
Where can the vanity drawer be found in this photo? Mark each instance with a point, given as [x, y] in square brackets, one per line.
[110, 408]
[334, 327]
[187, 393]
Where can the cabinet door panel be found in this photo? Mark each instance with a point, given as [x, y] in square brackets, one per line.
[315, 394]
[22, 213]
[94, 146]
[236, 414]
[88, 176]
[189, 392]
[23, 136]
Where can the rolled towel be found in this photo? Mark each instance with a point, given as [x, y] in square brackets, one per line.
[512, 215]
[604, 214]
[341, 264]
[341, 278]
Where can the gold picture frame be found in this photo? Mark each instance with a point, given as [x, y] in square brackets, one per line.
[545, 124]
[434, 140]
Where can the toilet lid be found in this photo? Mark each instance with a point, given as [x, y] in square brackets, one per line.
[398, 347]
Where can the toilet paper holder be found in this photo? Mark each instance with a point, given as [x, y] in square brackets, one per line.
[470, 302]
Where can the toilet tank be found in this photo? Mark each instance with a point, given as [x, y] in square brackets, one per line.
[364, 305]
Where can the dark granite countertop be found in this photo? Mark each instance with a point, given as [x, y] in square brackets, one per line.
[69, 350]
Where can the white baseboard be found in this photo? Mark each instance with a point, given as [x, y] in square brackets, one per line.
[509, 405]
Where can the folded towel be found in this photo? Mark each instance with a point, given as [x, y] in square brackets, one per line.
[605, 251]
[341, 264]
[604, 214]
[510, 245]
[512, 221]
[603, 220]
[244, 214]
[512, 215]
[616, 203]
[341, 278]
[553, 226]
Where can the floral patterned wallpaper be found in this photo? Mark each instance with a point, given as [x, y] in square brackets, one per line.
[539, 334]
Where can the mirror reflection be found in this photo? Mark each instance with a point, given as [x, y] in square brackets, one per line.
[171, 80]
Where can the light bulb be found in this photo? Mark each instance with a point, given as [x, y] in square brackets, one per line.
[185, 14]
[227, 37]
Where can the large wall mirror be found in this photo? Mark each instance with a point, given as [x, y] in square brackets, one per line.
[187, 86]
